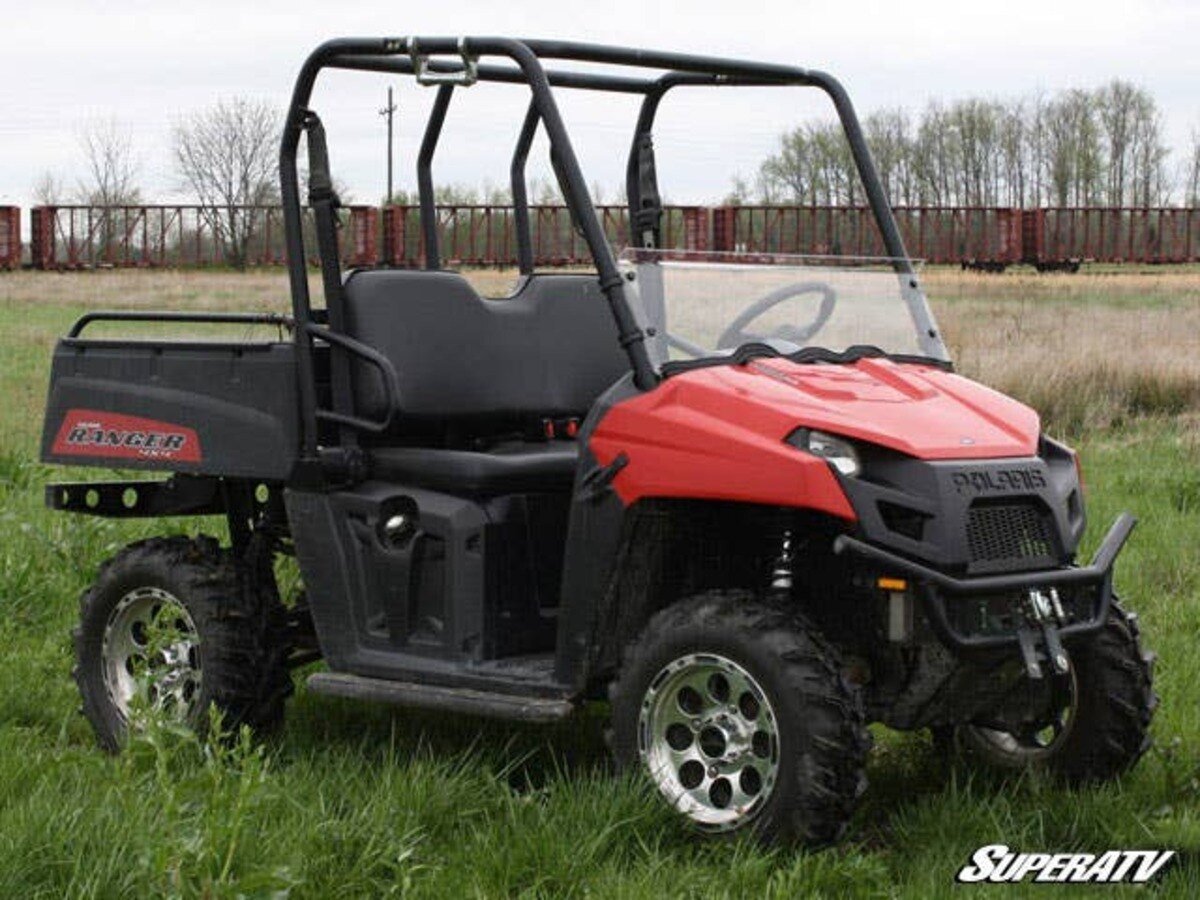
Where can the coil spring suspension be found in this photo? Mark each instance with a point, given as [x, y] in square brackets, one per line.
[781, 569]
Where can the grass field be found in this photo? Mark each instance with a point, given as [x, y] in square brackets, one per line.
[355, 801]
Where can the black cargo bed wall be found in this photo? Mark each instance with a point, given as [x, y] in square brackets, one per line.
[238, 400]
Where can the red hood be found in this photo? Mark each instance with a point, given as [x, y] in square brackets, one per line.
[917, 409]
[719, 432]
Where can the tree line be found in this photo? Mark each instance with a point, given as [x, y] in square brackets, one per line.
[1101, 147]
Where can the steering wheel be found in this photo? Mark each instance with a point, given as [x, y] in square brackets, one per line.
[736, 335]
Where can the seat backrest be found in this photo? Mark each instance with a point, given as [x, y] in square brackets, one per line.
[468, 361]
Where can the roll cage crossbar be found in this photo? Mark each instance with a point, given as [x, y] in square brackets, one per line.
[414, 56]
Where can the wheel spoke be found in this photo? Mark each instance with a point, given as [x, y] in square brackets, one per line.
[678, 758]
[673, 715]
[698, 682]
[747, 787]
[738, 685]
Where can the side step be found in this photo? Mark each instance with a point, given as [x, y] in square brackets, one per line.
[489, 704]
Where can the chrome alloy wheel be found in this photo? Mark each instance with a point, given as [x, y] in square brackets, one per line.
[150, 637]
[709, 739]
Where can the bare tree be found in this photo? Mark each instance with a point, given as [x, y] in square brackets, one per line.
[49, 190]
[1191, 174]
[1118, 106]
[1151, 181]
[975, 130]
[110, 165]
[814, 166]
[1035, 150]
[110, 180]
[1014, 154]
[1073, 153]
[790, 171]
[934, 154]
[739, 192]
[889, 134]
[226, 154]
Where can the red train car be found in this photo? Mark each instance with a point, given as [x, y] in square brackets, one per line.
[986, 238]
[10, 237]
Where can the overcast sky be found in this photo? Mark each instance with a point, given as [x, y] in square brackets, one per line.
[150, 63]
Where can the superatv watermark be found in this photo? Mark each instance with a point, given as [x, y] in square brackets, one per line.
[996, 863]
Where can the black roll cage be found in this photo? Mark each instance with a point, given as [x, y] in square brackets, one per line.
[412, 56]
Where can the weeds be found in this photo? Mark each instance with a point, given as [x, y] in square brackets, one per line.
[210, 789]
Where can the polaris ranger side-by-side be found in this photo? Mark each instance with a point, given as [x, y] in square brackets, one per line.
[743, 498]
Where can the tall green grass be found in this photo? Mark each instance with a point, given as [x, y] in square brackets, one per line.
[352, 800]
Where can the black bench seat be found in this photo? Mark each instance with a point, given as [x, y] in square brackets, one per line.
[519, 467]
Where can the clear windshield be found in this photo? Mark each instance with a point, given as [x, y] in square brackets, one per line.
[707, 305]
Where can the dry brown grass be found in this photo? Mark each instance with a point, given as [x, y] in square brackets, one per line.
[1089, 350]
[1094, 282]
[259, 289]
[152, 289]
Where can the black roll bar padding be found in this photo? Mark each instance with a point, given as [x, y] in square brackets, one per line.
[638, 176]
[641, 178]
[209, 318]
[324, 202]
[433, 132]
[520, 192]
[289, 191]
[320, 179]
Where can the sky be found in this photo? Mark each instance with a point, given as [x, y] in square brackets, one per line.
[150, 64]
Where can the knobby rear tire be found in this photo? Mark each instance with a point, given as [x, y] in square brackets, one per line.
[242, 646]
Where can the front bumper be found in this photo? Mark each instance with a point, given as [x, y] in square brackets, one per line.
[937, 588]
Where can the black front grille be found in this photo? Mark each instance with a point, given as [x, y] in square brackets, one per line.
[1009, 535]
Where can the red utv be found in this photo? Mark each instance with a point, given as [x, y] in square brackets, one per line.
[743, 498]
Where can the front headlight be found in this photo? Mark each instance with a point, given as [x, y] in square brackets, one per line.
[836, 451]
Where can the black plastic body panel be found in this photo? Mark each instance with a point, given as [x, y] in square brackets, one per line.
[469, 583]
[941, 494]
[593, 547]
[524, 541]
[239, 400]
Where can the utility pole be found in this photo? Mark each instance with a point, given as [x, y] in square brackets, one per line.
[389, 111]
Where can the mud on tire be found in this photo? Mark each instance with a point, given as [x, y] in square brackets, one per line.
[242, 649]
[822, 741]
